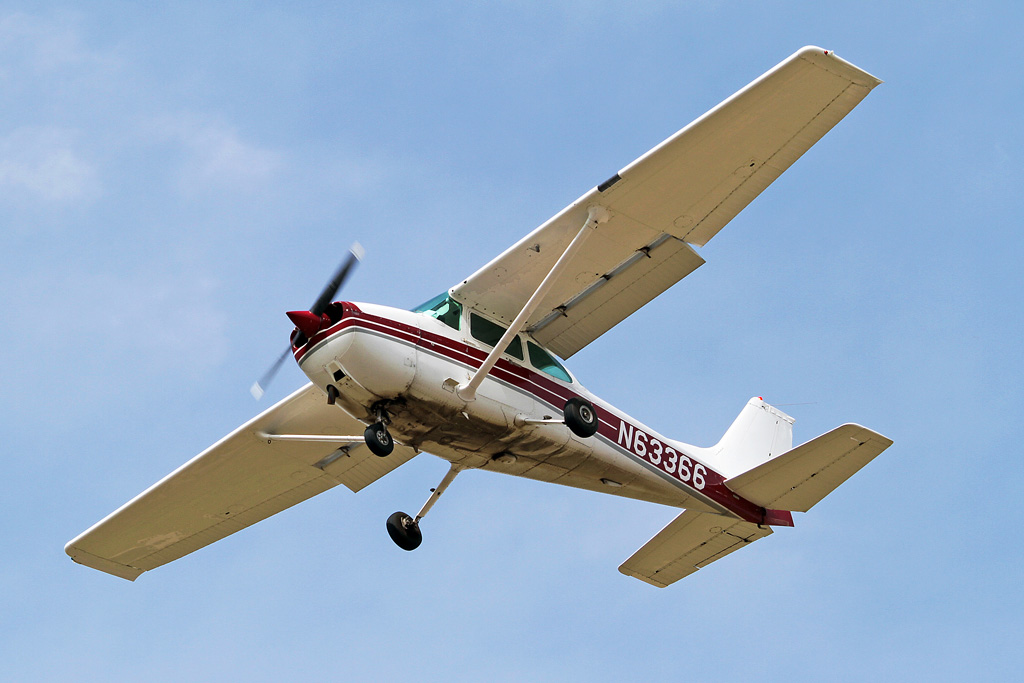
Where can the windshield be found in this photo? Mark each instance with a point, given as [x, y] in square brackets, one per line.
[444, 308]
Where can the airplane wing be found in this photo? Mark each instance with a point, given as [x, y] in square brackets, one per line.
[691, 541]
[245, 477]
[680, 193]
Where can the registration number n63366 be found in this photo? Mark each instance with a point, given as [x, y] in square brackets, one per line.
[661, 455]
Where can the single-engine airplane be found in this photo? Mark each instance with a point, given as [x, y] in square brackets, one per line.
[473, 375]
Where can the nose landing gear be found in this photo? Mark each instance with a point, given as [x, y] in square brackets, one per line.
[377, 437]
[379, 440]
[403, 529]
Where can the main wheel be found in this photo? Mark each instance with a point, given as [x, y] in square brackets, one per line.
[580, 417]
[404, 531]
[378, 440]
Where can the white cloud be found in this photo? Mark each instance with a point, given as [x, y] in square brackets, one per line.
[44, 162]
[215, 155]
[37, 45]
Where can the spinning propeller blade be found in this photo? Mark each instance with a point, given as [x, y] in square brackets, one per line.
[256, 389]
[356, 253]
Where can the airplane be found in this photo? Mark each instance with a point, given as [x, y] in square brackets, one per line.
[475, 375]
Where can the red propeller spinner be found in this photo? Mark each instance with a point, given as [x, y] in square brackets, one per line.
[312, 321]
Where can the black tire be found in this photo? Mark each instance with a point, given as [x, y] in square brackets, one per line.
[378, 440]
[404, 531]
[581, 417]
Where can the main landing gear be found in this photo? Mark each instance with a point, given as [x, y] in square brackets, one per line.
[581, 417]
[405, 530]
[377, 437]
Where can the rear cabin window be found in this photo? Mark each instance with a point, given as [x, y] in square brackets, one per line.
[490, 333]
[543, 361]
[444, 308]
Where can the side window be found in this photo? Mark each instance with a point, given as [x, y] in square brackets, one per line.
[444, 308]
[543, 361]
[489, 333]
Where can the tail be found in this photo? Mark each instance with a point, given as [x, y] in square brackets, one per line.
[759, 433]
[757, 457]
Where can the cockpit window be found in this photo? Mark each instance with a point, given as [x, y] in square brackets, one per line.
[543, 361]
[444, 308]
[490, 333]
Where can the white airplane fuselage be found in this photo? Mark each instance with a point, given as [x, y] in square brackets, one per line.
[413, 363]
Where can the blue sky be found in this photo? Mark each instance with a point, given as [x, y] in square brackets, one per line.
[173, 178]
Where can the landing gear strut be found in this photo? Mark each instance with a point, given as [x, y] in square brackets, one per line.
[377, 437]
[403, 529]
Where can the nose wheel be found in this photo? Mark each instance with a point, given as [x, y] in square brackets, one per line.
[405, 530]
[379, 440]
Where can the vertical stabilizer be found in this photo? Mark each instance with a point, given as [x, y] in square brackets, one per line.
[757, 435]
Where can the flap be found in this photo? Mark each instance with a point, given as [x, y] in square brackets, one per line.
[683, 190]
[608, 302]
[798, 479]
[238, 481]
[691, 541]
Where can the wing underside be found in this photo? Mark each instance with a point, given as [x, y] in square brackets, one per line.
[681, 193]
[245, 477]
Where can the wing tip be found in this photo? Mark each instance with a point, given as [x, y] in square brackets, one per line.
[100, 563]
[626, 571]
[818, 55]
[867, 433]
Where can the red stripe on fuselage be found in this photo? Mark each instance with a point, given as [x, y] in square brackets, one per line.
[612, 427]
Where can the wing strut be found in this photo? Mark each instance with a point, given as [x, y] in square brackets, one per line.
[310, 438]
[595, 216]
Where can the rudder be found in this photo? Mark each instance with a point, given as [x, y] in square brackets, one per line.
[759, 433]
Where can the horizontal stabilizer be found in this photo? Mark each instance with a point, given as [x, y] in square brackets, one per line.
[798, 479]
[690, 542]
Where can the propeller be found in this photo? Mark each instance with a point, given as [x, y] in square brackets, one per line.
[308, 321]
